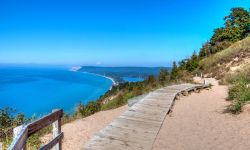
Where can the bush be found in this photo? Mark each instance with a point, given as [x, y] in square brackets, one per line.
[234, 108]
[9, 119]
[236, 90]
[91, 108]
[239, 92]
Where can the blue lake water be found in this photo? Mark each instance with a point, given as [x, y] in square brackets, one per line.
[130, 79]
[39, 90]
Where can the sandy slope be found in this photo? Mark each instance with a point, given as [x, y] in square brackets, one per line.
[197, 122]
[78, 132]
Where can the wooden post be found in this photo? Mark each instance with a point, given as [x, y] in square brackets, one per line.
[16, 131]
[185, 93]
[56, 131]
[177, 97]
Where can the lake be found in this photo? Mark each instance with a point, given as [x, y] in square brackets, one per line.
[32, 90]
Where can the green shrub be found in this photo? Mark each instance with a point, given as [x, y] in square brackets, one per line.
[239, 91]
[235, 107]
[236, 90]
[91, 108]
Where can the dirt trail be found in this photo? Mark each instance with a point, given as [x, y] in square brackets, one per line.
[197, 122]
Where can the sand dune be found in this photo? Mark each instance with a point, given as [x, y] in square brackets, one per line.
[197, 122]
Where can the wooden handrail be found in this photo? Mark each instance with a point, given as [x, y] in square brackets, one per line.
[26, 131]
[53, 142]
[20, 141]
[44, 122]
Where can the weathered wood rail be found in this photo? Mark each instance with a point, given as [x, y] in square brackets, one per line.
[22, 133]
[137, 128]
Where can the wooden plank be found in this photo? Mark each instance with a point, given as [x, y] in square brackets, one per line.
[130, 124]
[17, 131]
[115, 144]
[43, 122]
[148, 108]
[142, 119]
[127, 135]
[20, 141]
[162, 104]
[143, 116]
[126, 132]
[56, 131]
[153, 99]
[53, 142]
[149, 112]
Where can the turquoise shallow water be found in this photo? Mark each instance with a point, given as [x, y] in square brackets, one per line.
[39, 90]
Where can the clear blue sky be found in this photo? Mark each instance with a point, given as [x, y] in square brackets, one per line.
[107, 32]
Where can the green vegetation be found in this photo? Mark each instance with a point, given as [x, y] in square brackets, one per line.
[219, 52]
[120, 94]
[9, 119]
[89, 109]
[239, 91]
[223, 50]
[226, 55]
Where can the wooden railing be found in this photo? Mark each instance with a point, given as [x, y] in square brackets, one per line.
[22, 133]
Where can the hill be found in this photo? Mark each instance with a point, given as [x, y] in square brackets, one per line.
[233, 59]
[232, 67]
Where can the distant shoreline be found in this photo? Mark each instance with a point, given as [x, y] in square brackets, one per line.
[76, 69]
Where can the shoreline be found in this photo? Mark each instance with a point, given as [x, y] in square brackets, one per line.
[113, 81]
[76, 69]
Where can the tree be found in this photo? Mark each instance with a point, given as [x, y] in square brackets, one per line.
[192, 63]
[218, 36]
[237, 24]
[205, 50]
[6, 119]
[150, 79]
[174, 72]
[236, 27]
[163, 76]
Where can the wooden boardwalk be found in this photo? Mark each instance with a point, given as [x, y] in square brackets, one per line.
[137, 128]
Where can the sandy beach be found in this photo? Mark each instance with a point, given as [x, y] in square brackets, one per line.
[197, 122]
[77, 69]
[78, 132]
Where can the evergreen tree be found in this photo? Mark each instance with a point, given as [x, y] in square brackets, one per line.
[237, 24]
[174, 72]
[205, 50]
[192, 63]
[163, 76]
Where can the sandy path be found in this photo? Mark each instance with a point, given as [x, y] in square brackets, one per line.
[78, 132]
[197, 122]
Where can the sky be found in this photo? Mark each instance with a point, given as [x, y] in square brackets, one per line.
[107, 32]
